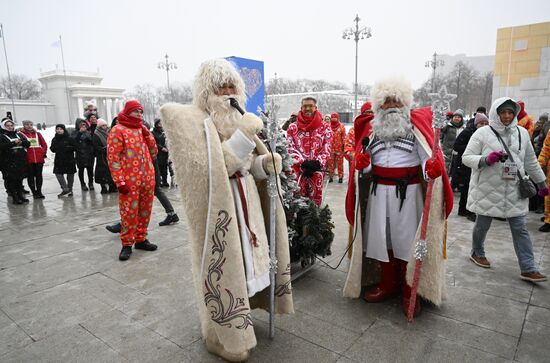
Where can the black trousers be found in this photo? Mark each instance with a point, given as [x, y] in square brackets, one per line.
[90, 171]
[15, 187]
[34, 177]
[463, 188]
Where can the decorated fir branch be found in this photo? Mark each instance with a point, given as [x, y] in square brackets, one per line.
[305, 243]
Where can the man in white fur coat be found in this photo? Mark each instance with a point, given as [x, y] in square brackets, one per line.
[223, 167]
[393, 171]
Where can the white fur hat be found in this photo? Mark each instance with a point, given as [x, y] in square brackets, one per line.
[397, 87]
[212, 75]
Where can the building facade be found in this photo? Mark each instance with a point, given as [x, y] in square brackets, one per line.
[522, 66]
[339, 101]
[71, 92]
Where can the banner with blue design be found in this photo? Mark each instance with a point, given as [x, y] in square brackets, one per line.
[252, 72]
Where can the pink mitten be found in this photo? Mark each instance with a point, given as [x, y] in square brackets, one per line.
[493, 157]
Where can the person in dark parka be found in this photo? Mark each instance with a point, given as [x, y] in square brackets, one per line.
[162, 157]
[102, 174]
[64, 148]
[460, 172]
[13, 158]
[85, 155]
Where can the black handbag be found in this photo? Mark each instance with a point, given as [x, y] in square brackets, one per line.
[526, 187]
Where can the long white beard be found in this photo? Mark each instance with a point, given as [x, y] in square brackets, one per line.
[391, 124]
[223, 114]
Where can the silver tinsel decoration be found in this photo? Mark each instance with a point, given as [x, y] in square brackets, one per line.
[420, 250]
[441, 102]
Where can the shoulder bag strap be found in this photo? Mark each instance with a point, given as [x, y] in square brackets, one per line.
[506, 149]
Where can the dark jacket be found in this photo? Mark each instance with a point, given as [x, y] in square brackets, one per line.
[160, 138]
[84, 149]
[64, 148]
[460, 172]
[13, 158]
[102, 174]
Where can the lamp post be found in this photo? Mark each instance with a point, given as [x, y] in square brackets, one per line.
[356, 34]
[167, 66]
[433, 64]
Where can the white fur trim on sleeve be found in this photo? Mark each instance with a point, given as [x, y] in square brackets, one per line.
[241, 145]
[257, 169]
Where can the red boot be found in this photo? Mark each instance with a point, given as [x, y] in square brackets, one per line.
[389, 282]
[407, 293]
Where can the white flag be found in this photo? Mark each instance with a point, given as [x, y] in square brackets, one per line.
[56, 44]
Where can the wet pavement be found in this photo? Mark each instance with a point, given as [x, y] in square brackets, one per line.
[65, 297]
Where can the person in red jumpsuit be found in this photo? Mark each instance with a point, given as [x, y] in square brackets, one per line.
[309, 144]
[130, 152]
[336, 159]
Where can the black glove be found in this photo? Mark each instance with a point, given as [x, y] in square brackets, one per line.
[309, 167]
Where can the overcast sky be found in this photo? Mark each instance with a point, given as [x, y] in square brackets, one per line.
[296, 39]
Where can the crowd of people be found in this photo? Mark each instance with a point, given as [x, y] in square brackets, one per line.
[84, 151]
[497, 161]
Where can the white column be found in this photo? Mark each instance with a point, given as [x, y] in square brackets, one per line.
[80, 107]
[109, 115]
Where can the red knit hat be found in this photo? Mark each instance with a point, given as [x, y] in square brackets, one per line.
[522, 112]
[130, 106]
[366, 106]
[334, 115]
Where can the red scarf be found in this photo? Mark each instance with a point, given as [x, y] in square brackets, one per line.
[129, 121]
[334, 125]
[309, 123]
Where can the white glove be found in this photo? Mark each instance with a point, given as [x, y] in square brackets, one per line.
[250, 125]
[267, 163]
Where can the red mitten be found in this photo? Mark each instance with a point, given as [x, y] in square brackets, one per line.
[434, 168]
[362, 161]
[123, 189]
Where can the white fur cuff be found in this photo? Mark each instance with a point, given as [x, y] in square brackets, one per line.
[257, 169]
[241, 145]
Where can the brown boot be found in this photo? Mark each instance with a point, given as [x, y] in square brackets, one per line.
[407, 290]
[389, 282]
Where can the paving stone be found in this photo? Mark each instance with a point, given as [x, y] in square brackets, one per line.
[132, 340]
[466, 334]
[11, 336]
[43, 313]
[533, 346]
[312, 329]
[538, 315]
[46, 273]
[380, 341]
[484, 311]
[72, 344]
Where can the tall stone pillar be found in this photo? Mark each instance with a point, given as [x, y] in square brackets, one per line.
[80, 107]
[109, 115]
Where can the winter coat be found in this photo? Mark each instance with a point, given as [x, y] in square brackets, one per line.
[64, 148]
[460, 173]
[13, 158]
[527, 123]
[448, 137]
[160, 138]
[338, 139]
[38, 149]
[489, 194]
[84, 149]
[102, 175]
